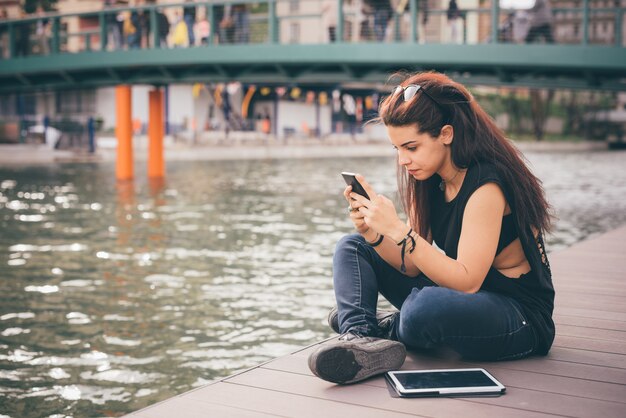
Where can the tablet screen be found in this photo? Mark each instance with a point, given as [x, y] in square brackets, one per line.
[444, 379]
[444, 382]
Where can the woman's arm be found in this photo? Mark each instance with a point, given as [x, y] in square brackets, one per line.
[478, 242]
[390, 252]
[387, 249]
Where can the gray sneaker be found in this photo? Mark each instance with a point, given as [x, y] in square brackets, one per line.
[384, 318]
[353, 358]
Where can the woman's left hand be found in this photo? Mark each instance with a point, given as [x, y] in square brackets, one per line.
[379, 211]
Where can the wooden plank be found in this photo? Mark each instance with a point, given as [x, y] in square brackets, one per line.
[591, 345]
[556, 404]
[599, 299]
[590, 313]
[591, 302]
[603, 272]
[578, 388]
[567, 293]
[192, 408]
[539, 365]
[593, 333]
[589, 357]
[604, 280]
[373, 394]
[588, 322]
[589, 289]
[518, 399]
[567, 369]
[557, 352]
[275, 403]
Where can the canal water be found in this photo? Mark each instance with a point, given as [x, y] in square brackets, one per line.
[114, 297]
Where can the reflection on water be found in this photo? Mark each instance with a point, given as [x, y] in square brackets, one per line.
[115, 296]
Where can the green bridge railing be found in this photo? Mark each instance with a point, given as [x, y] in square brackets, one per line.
[294, 22]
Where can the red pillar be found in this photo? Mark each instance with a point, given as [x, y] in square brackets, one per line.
[156, 164]
[124, 133]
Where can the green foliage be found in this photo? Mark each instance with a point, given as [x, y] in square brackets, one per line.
[572, 107]
[259, 8]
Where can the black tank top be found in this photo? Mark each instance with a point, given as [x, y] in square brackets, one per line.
[533, 290]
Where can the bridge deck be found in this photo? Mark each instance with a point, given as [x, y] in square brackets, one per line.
[584, 374]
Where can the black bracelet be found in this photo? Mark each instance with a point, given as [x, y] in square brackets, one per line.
[377, 242]
[403, 250]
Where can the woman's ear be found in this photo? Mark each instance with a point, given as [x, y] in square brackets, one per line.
[447, 134]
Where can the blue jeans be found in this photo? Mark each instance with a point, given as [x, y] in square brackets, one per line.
[381, 19]
[242, 27]
[481, 326]
[189, 21]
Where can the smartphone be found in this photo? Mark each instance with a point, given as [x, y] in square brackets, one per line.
[351, 180]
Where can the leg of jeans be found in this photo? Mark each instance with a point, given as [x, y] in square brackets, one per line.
[359, 274]
[547, 34]
[482, 325]
[190, 34]
[532, 34]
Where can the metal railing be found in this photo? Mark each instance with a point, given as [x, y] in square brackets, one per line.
[290, 22]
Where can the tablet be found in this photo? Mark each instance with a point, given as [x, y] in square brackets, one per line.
[444, 382]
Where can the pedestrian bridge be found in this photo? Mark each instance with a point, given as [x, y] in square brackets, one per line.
[283, 44]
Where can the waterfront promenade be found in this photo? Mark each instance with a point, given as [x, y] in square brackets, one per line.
[583, 376]
[239, 148]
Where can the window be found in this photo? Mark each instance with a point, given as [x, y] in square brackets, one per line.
[7, 105]
[76, 101]
[294, 33]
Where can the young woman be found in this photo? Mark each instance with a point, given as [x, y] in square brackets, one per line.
[485, 290]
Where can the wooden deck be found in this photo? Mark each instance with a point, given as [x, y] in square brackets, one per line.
[583, 376]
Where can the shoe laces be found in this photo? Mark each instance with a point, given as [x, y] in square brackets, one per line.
[350, 335]
[385, 325]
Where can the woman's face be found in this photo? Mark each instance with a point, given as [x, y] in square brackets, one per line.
[419, 153]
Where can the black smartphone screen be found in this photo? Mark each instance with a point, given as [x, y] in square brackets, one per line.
[351, 180]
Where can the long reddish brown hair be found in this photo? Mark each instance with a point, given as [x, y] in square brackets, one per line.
[476, 139]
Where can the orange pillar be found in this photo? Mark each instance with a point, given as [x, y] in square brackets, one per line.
[124, 133]
[156, 165]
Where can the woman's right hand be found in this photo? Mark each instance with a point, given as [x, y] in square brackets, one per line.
[357, 218]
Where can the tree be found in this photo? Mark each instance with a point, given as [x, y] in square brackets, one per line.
[539, 109]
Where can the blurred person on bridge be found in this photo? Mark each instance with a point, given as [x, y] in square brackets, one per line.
[132, 29]
[329, 19]
[226, 24]
[540, 20]
[22, 35]
[204, 30]
[382, 14]
[3, 33]
[180, 34]
[164, 28]
[42, 31]
[189, 16]
[402, 8]
[453, 14]
[218, 16]
[114, 32]
[241, 20]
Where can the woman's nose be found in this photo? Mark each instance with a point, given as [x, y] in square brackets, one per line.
[403, 160]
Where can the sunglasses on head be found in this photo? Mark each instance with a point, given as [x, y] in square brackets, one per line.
[411, 90]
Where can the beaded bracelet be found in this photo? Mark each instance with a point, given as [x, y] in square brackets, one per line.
[378, 241]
